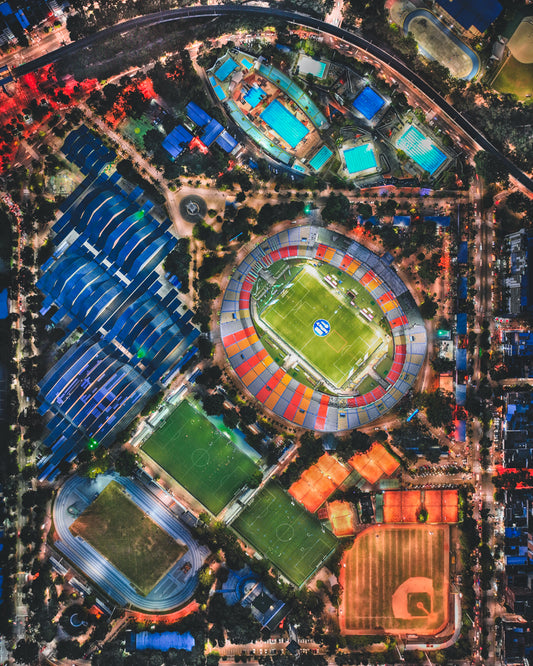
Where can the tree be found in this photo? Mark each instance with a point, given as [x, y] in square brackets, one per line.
[231, 418]
[213, 404]
[255, 479]
[428, 309]
[26, 652]
[248, 414]
[126, 463]
[337, 209]
[490, 168]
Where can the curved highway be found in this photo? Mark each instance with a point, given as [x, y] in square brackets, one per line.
[169, 592]
[356, 40]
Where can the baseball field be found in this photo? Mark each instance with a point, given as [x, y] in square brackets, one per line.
[395, 579]
[285, 533]
[341, 346]
[200, 457]
[129, 539]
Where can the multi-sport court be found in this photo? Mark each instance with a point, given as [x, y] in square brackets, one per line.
[200, 457]
[307, 299]
[285, 533]
[395, 579]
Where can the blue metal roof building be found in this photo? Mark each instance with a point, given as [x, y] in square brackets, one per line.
[86, 151]
[462, 253]
[211, 132]
[472, 13]
[176, 140]
[226, 141]
[163, 641]
[103, 280]
[197, 115]
[461, 323]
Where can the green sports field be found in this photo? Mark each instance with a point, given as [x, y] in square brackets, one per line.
[200, 457]
[129, 539]
[306, 299]
[285, 533]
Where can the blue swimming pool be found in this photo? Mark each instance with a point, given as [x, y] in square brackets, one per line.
[246, 63]
[360, 158]
[421, 149]
[368, 103]
[225, 69]
[281, 120]
[254, 96]
[320, 158]
[220, 93]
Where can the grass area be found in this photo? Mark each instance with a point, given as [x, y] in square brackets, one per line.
[300, 300]
[128, 538]
[134, 130]
[200, 457]
[391, 571]
[514, 77]
[285, 533]
[368, 384]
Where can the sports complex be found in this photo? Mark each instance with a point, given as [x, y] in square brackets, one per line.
[321, 330]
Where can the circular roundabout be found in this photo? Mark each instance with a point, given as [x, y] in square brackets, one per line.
[193, 208]
[321, 330]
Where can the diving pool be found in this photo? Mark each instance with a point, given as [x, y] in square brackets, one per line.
[254, 96]
[360, 158]
[421, 149]
[368, 103]
[281, 120]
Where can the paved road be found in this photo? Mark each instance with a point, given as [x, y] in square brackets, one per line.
[356, 40]
[169, 591]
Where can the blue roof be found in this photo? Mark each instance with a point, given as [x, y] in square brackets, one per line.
[460, 394]
[5, 9]
[461, 323]
[401, 220]
[226, 141]
[368, 103]
[477, 13]
[176, 140]
[460, 431]
[225, 69]
[164, 641]
[440, 220]
[462, 287]
[213, 129]
[460, 361]
[462, 254]
[197, 115]
[86, 151]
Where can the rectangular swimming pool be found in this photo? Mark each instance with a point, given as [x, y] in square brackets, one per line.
[368, 103]
[360, 158]
[281, 120]
[421, 149]
[320, 158]
[246, 63]
[254, 96]
[225, 69]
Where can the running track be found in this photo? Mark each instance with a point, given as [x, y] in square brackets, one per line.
[356, 40]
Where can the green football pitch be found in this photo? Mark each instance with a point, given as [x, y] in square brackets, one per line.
[285, 533]
[200, 457]
[352, 340]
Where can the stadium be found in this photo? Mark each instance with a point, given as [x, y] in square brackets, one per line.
[321, 330]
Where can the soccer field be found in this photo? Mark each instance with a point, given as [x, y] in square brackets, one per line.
[200, 457]
[285, 533]
[129, 539]
[351, 340]
[395, 579]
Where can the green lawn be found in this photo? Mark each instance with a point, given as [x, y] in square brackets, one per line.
[285, 533]
[305, 299]
[514, 77]
[200, 457]
[128, 538]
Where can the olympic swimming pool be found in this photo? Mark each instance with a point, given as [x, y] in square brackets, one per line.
[360, 158]
[281, 120]
[421, 149]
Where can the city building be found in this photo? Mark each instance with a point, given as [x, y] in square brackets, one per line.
[518, 430]
[516, 273]
[474, 16]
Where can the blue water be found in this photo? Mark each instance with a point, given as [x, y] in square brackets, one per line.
[284, 123]
[225, 69]
[254, 96]
[360, 158]
[220, 93]
[246, 63]
[320, 158]
[438, 24]
[421, 149]
[368, 103]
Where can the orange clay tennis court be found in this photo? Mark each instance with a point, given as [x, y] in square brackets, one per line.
[404, 506]
[342, 518]
[395, 579]
[318, 482]
[375, 463]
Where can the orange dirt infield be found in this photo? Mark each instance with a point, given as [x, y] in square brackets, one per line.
[402, 506]
[373, 464]
[318, 482]
[395, 579]
[342, 518]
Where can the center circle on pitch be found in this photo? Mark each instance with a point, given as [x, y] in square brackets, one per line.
[200, 458]
[284, 532]
[321, 327]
